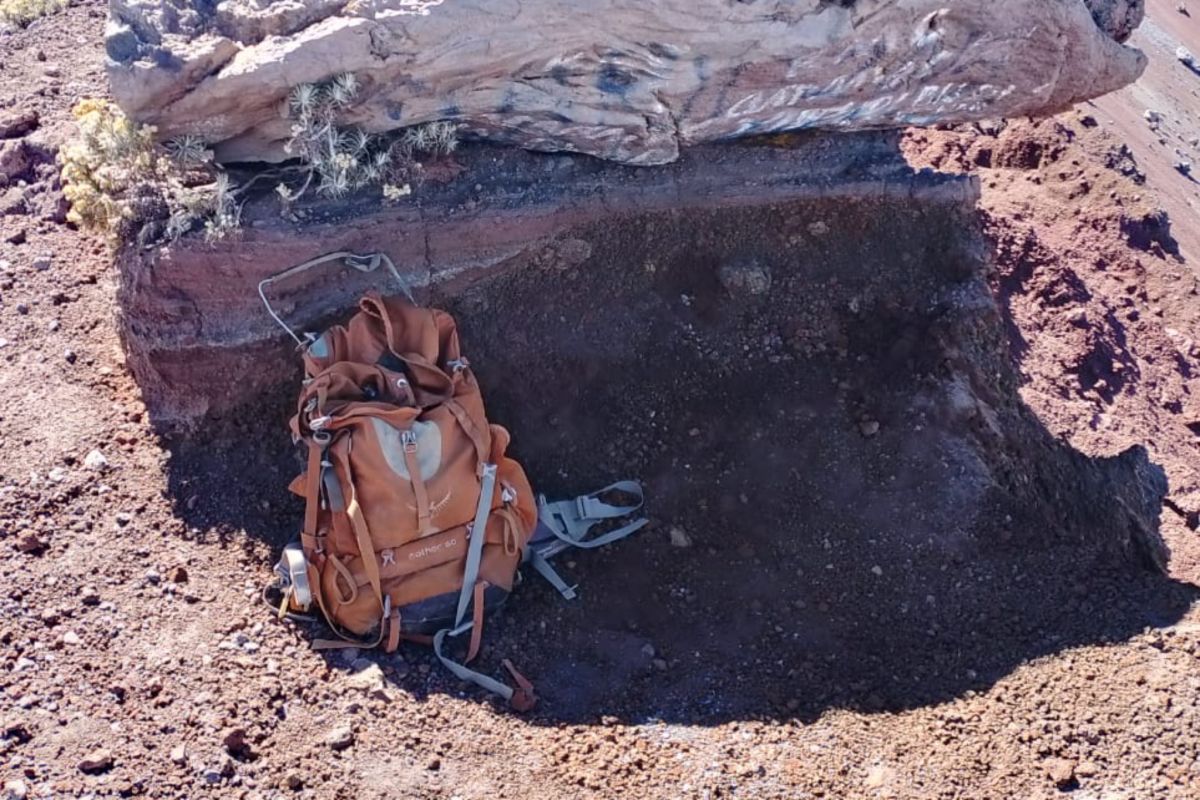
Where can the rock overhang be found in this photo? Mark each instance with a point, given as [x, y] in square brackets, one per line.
[628, 82]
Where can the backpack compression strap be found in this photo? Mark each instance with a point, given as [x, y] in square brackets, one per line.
[572, 520]
[522, 698]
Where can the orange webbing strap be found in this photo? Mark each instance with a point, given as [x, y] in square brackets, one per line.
[393, 631]
[524, 698]
[366, 551]
[424, 513]
[477, 619]
[482, 451]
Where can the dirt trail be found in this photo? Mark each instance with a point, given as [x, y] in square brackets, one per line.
[135, 660]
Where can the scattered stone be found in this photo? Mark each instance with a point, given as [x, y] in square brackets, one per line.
[71, 638]
[57, 475]
[152, 576]
[1185, 55]
[15, 790]
[340, 737]
[42, 262]
[22, 308]
[95, 460]
[235, 742]
[13, 202]
[1183, 167]
[211, 775]
[97, 761]
[1087, 769]
[679, 537]
[90, 596]
[50, 616]
[29, 542]
[434, 764]
[877, 571]
[878, 776]
[17, 124]
[369, 678]
[124, 518]
[1061, 771]
[177, 574]
[660, 664]
[1153, 117]
[294, 781]
[70, 355]
[869, 427]
[179, 755]
[745, 278]
[648, 650]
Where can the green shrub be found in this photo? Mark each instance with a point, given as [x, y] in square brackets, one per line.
[120, 182]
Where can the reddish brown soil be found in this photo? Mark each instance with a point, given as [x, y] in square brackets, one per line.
[1101, 301]
[131, 625]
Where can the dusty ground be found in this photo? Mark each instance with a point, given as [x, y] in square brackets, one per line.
[134, 659]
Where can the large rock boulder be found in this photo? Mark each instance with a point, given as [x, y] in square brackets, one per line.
[632, 82]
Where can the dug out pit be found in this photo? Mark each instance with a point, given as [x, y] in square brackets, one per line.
[850, 504]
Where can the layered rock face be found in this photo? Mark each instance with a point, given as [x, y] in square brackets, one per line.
[627, 81]
[201, 343]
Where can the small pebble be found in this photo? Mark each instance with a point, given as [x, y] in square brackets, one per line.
[100, 760]
[679, 537]
[340, 737]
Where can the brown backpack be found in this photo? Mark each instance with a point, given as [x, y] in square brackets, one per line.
[415, 519]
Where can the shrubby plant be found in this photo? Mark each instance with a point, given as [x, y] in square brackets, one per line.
[120, 182]
[342, 159]
[23, 12]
